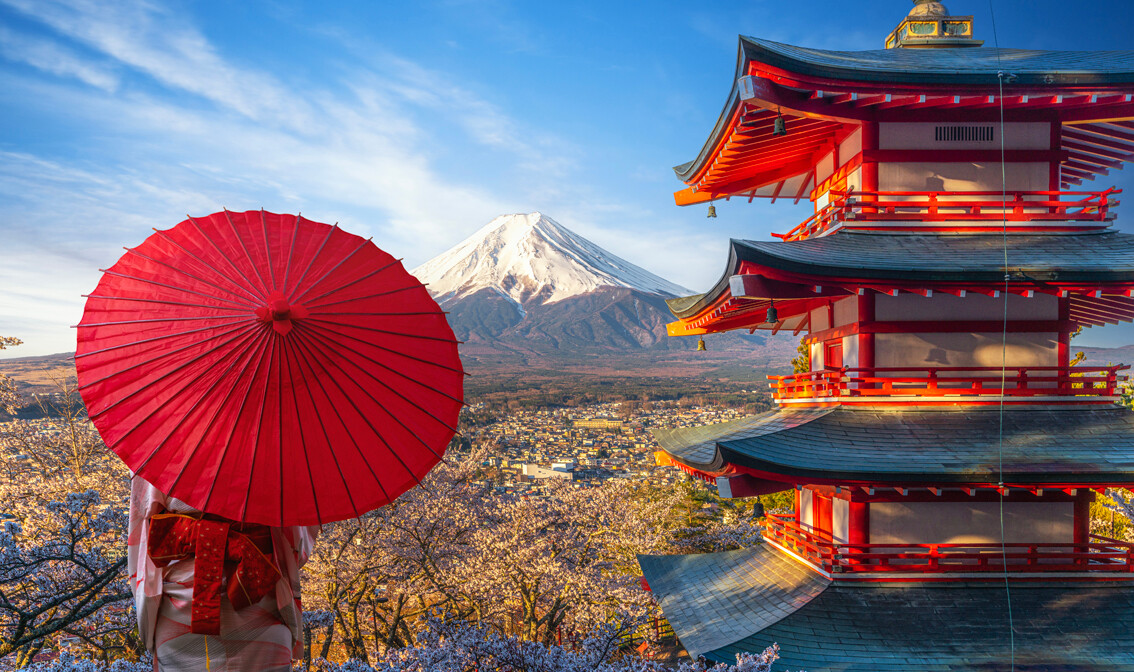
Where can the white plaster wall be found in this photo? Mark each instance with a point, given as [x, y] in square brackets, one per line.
[961, 176]
[806, 509]
[850, 351]
[840, 519]
[850, 146]
[949, 308]
[964, 349]
[822, 200]
[846, 311]
[970, 522]
[816, 356]
[819, 319]
[825, 167]
[921, 135]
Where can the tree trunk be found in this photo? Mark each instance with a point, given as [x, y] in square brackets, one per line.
[327, 642]
[26, 654]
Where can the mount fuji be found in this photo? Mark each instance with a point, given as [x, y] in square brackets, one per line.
[526, 282]
[534, 260]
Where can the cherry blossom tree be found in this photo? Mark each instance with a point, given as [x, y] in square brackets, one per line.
[64, 440]
[63, 499]
[456, 646]
[8, 394]
[62, 577]
[530, 567]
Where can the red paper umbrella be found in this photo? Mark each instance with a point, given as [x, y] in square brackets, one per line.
[269, 369]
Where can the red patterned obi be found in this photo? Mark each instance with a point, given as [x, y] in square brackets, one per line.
[240, 553]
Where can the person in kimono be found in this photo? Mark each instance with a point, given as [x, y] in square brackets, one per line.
[213, 594]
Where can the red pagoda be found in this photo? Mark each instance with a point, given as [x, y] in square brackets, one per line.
[943, 448]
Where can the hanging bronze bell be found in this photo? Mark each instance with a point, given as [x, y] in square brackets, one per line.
[773, 316]
[701, 345]
[712, 211]
[779, 126]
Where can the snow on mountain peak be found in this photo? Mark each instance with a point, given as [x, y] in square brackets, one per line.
[533, 259]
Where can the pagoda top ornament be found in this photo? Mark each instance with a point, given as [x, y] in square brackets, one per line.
[929, 25]
[928, 8]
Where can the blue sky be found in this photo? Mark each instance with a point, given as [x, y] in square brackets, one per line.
[412, 122]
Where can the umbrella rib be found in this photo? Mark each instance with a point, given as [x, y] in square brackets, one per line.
[313, 318]
[311, 261]
[291, 251]
[247, 333]
[394, 352]
[267, 247]
[165, 303]
[363, 415]
[250, 354]
[338, 467]
[171, 267]
[175, 288]
[236, 353]
[403, 398]
[214, 269]
[157, 358]
[154, 339]
[332, 270]
[396, 373]
[160, 319]
[247, 254]
[425, 312]
[362, 298]
[352, 282]
[260, 419]
[239, 273]
[279, 427]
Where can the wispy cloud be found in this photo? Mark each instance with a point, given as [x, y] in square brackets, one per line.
[155, 41]
[194, 132]
[54, 58]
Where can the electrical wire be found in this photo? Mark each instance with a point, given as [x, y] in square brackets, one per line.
[1000, 75]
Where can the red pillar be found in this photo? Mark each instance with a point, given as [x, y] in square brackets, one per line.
[1083, 501]
[823, 511]
[1053, 173]
[869, 170]
[1063, 352]
[866, 341]
[858, 523]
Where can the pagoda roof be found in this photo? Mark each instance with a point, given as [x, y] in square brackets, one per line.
[841, 445]
[954, 67]
[721, 604]
[1089, 261]
[1107, 257]
[823, 93]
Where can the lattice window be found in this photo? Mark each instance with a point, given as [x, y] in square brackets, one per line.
[963, 134]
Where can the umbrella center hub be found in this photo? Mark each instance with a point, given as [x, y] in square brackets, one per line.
[279, 310]
[280, 313]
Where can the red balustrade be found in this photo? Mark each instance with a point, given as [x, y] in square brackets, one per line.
[956, 209]
[1075, 383]
[1102, 554]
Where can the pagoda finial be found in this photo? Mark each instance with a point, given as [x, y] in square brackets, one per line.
[930, 25]
[928, 8]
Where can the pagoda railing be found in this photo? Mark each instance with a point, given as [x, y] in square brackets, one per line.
[966, 208]
[1100, 554]
[939, 381]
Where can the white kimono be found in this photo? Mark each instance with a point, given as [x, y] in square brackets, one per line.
[262, 637]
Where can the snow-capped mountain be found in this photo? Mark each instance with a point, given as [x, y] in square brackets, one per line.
[533, 260]
[524, 285]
